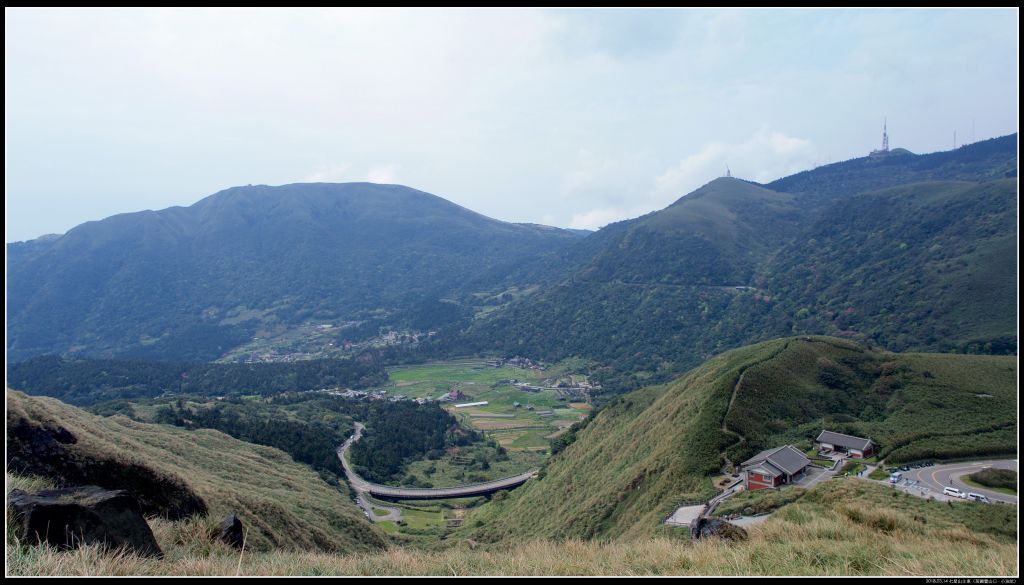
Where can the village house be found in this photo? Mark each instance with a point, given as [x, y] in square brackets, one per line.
[829, 442]
[774, 467]
[455, 394]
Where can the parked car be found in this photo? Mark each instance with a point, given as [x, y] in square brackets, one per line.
[978, 498]
[952, 491]
[895, 477]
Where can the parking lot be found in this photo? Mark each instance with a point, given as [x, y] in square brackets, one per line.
[929, 481]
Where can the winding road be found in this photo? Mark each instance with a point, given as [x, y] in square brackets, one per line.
[939, 476]
[394, 493]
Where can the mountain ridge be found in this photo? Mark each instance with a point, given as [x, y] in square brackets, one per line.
[293, 252]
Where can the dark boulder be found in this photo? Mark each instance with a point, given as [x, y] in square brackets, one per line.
[231, 531]
[721, 529]
[70, 517]
[51, 451]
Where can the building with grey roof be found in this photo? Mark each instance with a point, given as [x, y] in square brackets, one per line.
[829, 441]
[774, 467]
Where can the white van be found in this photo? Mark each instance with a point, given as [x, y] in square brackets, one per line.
[895, 477]
[952, 491]
[978, 498]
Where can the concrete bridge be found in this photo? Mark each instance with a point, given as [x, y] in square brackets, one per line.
[395, 493]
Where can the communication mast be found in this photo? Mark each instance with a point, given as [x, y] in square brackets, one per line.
[885, 138]
[728, 173]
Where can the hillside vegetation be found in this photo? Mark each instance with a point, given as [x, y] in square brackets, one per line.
[86, 382]
[843, 527]
[648, 450]
[283, 504]
[922, 266]
[191, 283]
[906, 252]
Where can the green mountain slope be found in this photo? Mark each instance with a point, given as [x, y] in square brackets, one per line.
[987, 160]
[283, 504]
[717, 235]
[925, 266]
[188, 283]
[648, 450]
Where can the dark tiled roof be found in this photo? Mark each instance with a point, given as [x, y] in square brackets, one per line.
[847, 441]
[765, 468]
[786, 458]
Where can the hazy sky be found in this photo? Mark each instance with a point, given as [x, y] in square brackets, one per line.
[568, 118]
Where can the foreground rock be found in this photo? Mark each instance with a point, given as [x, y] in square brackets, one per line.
[231, 531]
[71, 517]
[721, 529]
[49, 450]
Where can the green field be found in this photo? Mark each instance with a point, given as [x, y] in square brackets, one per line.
[519, 437]
[1000, 480]
[466, 466]
[525, 430]
[434, 380]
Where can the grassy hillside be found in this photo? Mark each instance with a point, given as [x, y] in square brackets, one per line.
[641, 455]
[283, 504]
[650, 449]
[717, 235]
[844, 527]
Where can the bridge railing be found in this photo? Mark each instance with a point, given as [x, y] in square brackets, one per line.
[486, 485]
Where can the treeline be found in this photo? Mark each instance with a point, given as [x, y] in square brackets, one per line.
[310, 434]
[311, 426]
[400, 432]
[85, 382]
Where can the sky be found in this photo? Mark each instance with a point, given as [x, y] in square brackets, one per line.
[572, 118]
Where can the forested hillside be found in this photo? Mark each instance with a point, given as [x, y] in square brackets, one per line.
[923, 264]
[85, 382]
[190, 283]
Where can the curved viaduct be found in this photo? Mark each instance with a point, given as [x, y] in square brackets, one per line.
[396, 493]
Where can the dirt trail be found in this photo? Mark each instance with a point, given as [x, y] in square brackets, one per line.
[732, 399]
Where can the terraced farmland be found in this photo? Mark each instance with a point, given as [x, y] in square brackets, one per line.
[523, 413]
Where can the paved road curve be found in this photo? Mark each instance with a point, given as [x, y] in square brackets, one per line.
[948, 475]
[388, 492]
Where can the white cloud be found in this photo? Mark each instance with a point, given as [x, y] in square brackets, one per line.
[520, 114]
[386, 174]
[598, 218]
[764, 157]
[329, 173]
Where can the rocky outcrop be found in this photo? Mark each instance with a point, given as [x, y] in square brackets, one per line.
[231, 531]
[51, 451]
[71, 517]
[710, 527]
